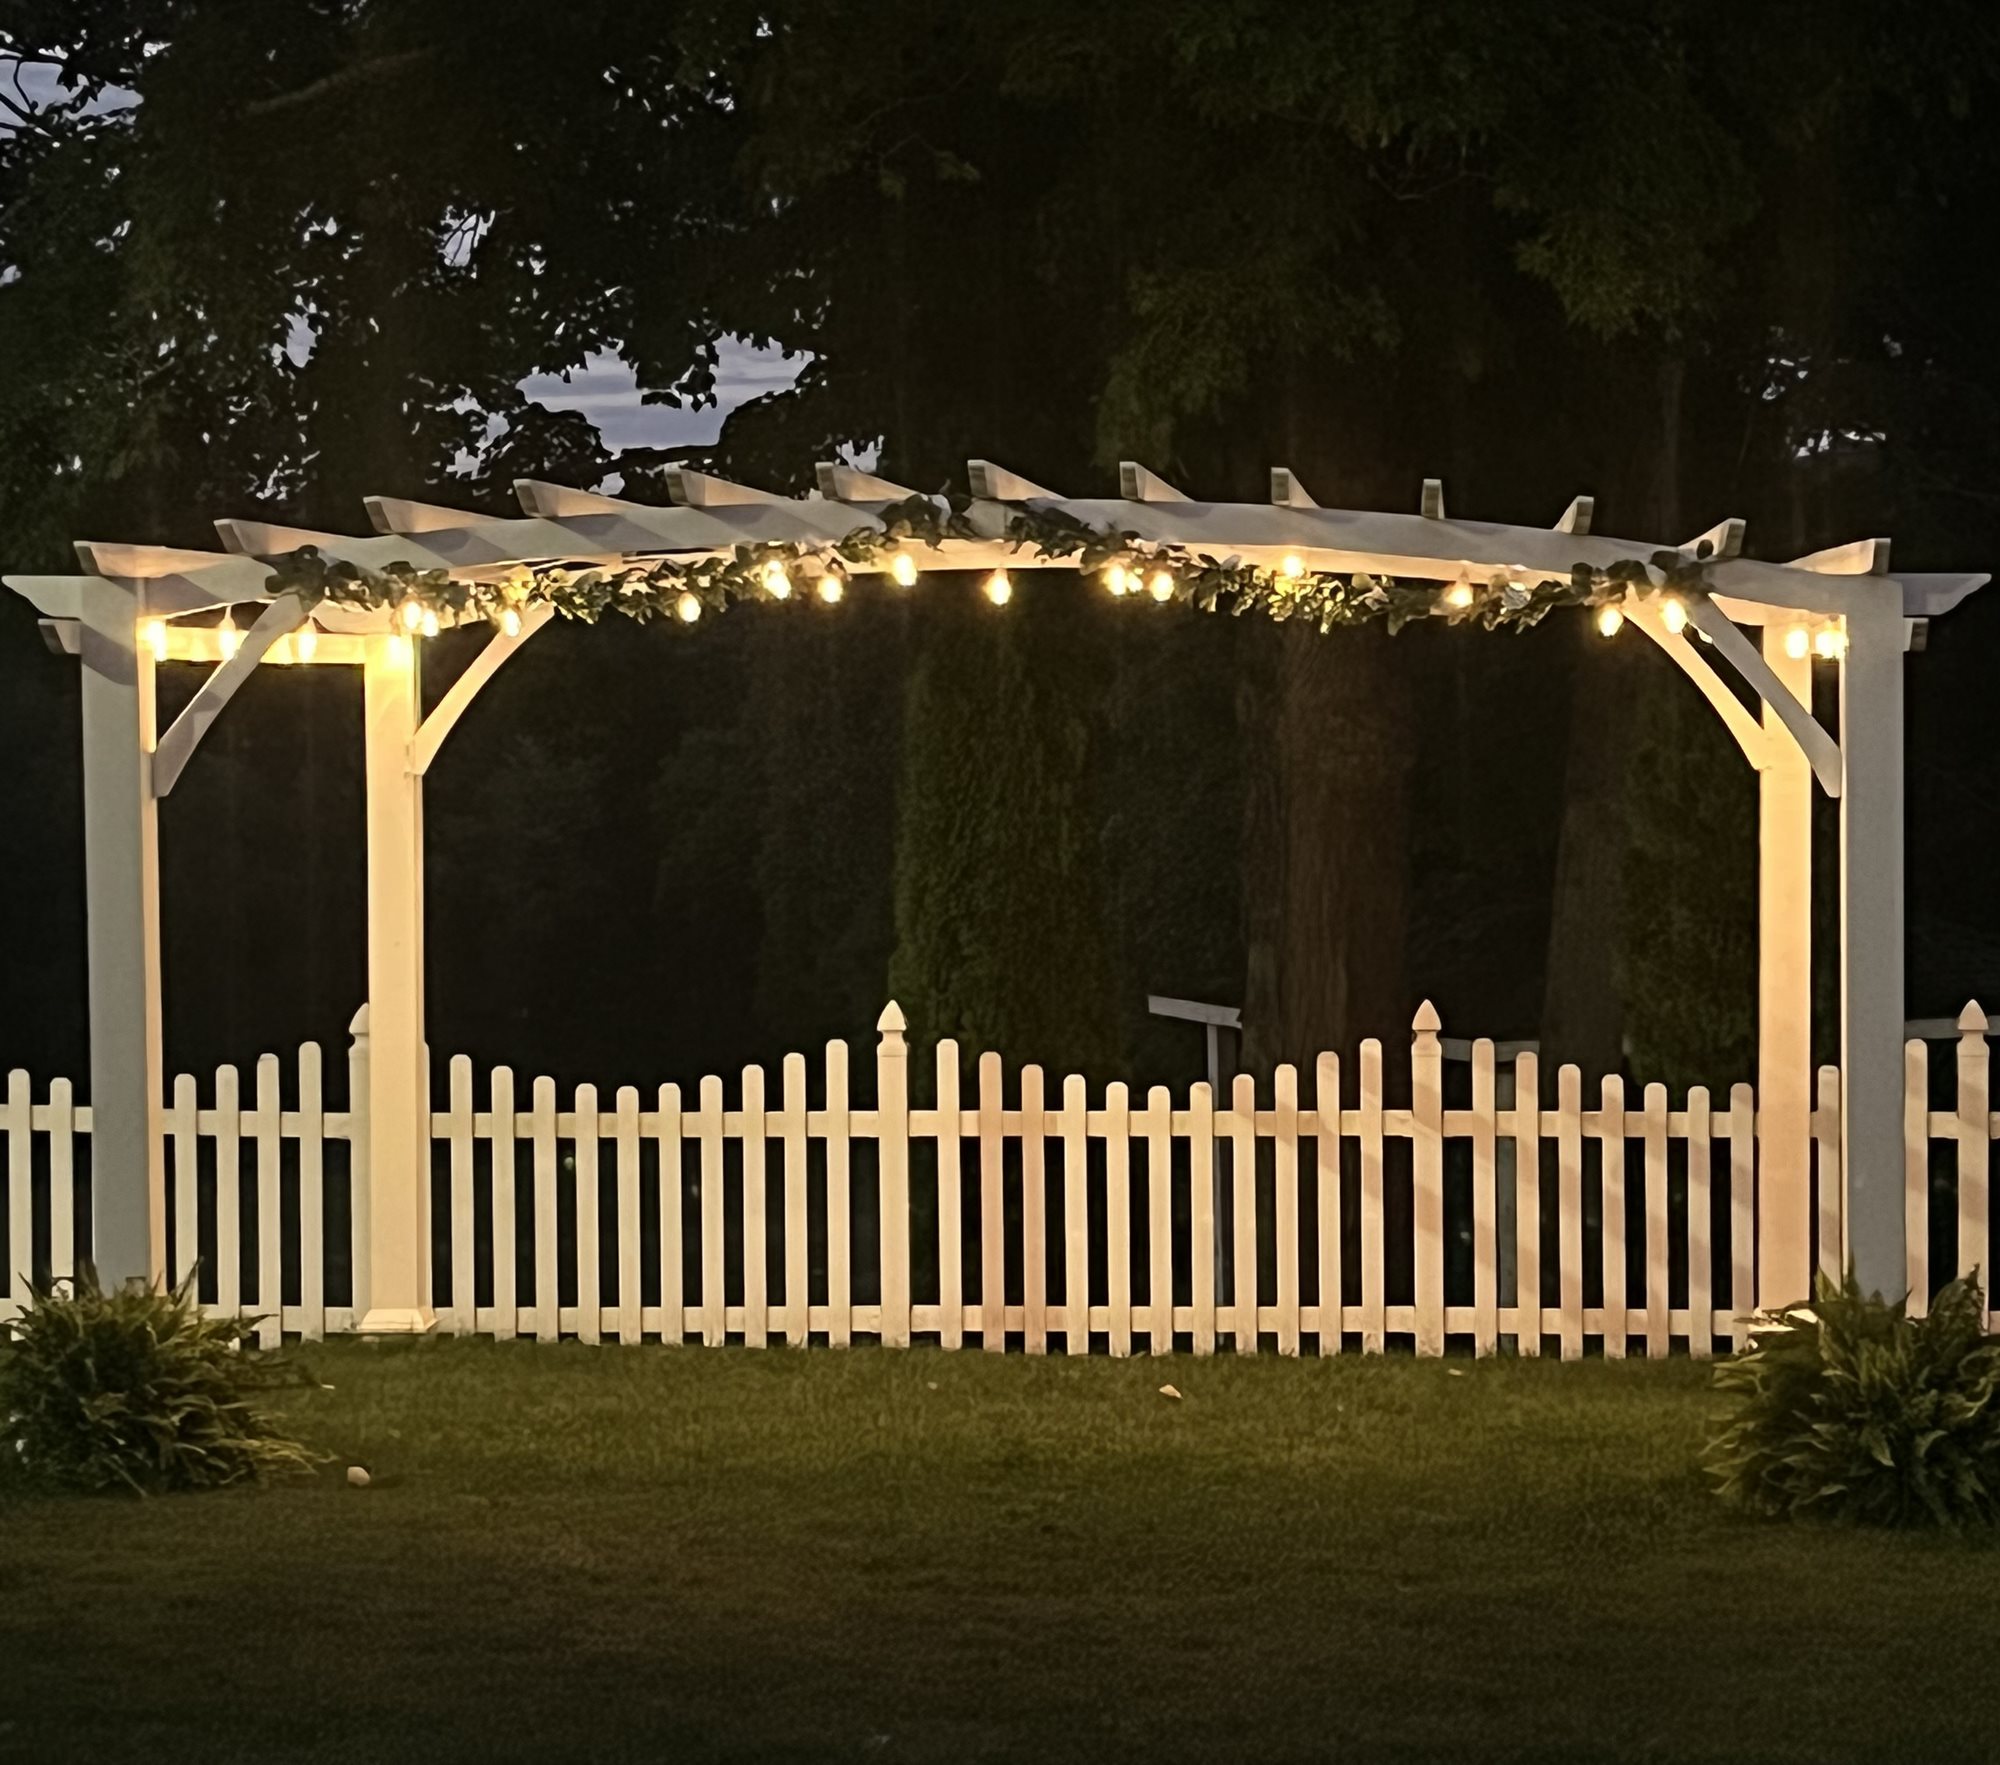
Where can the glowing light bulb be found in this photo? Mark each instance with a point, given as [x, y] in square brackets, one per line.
[903, 570]
[1797, 643]
[1459, 596]
[1609, 619]
[688, 607]
[1118, 579]
[411, 612]
[155, 633]
[305, 641]
[430, 625]
[1161, 588]
[1673, 616]
[227, 637]
[777, 581]
[510, 622]
[998, 589]
[1831, 643]
[831, 588]
[1293, 567]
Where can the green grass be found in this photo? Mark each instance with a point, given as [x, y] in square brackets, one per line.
[574, 1553]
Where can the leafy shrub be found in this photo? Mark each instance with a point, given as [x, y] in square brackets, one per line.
[137, 1388]
[1856, 1411]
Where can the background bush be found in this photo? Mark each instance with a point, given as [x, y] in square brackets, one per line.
[1858, 1412]
[137, 1388]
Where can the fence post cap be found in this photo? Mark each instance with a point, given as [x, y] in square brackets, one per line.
[891, 1023]
[1426, 1022]
[359, 1027]
[1972, 1021]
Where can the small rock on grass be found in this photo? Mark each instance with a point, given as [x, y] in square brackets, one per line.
[1172, 1391]
[357, 1477]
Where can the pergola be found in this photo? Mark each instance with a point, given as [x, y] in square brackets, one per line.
[131, 607]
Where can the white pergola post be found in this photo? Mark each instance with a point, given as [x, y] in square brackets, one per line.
[1784, 996]
[122, 902]
[1871, 918]
[392, 1202]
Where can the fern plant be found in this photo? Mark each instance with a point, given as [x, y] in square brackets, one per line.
[137, 1388]
[1853, 1410]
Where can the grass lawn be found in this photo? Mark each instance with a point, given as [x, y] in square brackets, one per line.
[575, 1553]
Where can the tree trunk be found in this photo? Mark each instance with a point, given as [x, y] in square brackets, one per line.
[1327, 874]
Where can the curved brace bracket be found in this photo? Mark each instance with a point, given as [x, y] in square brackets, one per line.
[1822, 752]
[1737, 718]
[449, 709]
[283, 616]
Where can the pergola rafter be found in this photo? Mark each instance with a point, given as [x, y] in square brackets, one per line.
[128, 608]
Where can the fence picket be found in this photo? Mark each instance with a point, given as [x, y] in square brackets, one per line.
[187, 1185]
[463, 1317]
[1485, 1204]
[228, 1193]
[62, 1180]
[673, 1214]
[1569, 1208]
[1654, 1126]
[1742, 1208]
[1832, 1180]
[1373, 1301]
[708, 1131]
[1326, 1163]
[756, 1224]
[270, 1218]
[1118, 1216]
[20, 1190]
[1701, 1252]
[1243, 1206]
[1616, 1223]
[589, 1233]
[1076, 1216]
[542, 1141]
[1034, 1213]
[1427, 1169]
[839, 1200]
[625, 1132]
[1201, 1206]
[1285, 1204]
[797, 1261]
[312, 1195]
[992, 1210]
[1974, 1138]
[1159, 1129]
[1527, 1204]
[950, 1200]
[506, 1206]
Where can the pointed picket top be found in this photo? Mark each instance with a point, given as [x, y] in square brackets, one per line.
[1426, 1022]
[1972, 1021]
[892, 1025]
[358, 1026]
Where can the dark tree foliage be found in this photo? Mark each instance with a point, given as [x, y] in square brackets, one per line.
[1695, 257]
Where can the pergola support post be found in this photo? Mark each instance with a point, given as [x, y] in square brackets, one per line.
[122, 900]
[1784, 996]
[1871, 957]
[393, 1275]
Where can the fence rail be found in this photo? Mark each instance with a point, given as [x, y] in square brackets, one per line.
[1462, 1205]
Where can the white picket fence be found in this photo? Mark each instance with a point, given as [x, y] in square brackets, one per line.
[1507, 1218]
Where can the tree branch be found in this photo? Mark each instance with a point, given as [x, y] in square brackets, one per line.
[375, 67]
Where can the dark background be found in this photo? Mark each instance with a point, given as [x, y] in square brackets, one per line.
[1696, 259]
